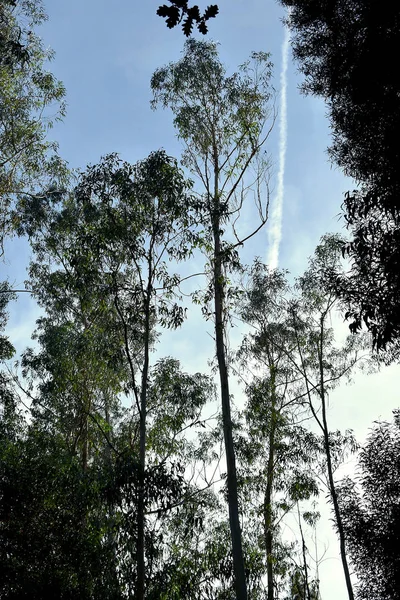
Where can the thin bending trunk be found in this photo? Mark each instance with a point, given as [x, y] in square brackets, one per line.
[306, 589]
[219, 287]
[140, 587]
[332, 486]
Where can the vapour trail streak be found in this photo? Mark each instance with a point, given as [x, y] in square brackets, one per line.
[275, 218]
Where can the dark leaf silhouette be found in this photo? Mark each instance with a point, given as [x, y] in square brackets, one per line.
[180, 12]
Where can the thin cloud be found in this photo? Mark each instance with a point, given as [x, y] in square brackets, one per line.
[275, 219]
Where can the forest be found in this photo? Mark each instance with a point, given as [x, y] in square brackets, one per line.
[124, 472]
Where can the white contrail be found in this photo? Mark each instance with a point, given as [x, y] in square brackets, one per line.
[275, 218]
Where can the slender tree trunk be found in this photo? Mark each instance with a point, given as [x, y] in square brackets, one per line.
[85, 442]
[110, 433]
[268, 511]
[268, 529]
[306, 590]
[111, 537]
[332, 486]
[140, 583]
[219, 289]
[268, 533]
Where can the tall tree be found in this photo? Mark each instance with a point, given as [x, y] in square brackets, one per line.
[51, 515]
[322, 364]
[221, 120]
[302, 334]
[344, 49]
[111, 239]
[279, 456]
[149, 226]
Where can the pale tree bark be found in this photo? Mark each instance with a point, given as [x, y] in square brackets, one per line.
[320, 389]
[332, 486]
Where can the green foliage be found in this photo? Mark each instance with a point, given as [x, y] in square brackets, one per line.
[370, 507]
[6, 348]
[175, 401]
[112, 237]
[296, 362]
[300, 588]
[53, 522]
[31, 100]
[220, 117]
[109, 433]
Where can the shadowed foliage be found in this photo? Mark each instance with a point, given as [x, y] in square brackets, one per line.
[372, 517]
[345, 49]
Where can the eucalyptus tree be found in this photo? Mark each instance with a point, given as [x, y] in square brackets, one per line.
[152, 226]
[297, 363]
[51, 516]
[278, 454]
[31, 100]
[222, 121]
[175, 404]
[323, 363]
[339, 45]
[102, 271]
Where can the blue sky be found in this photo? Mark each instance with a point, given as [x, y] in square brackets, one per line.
[106, 57]
[106, 53]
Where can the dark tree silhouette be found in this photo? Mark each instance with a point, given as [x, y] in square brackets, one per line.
[345, 50]
[179, 12]
[13, 47]
[372, 518]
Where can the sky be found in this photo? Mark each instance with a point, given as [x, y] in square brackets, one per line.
[106, 53]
